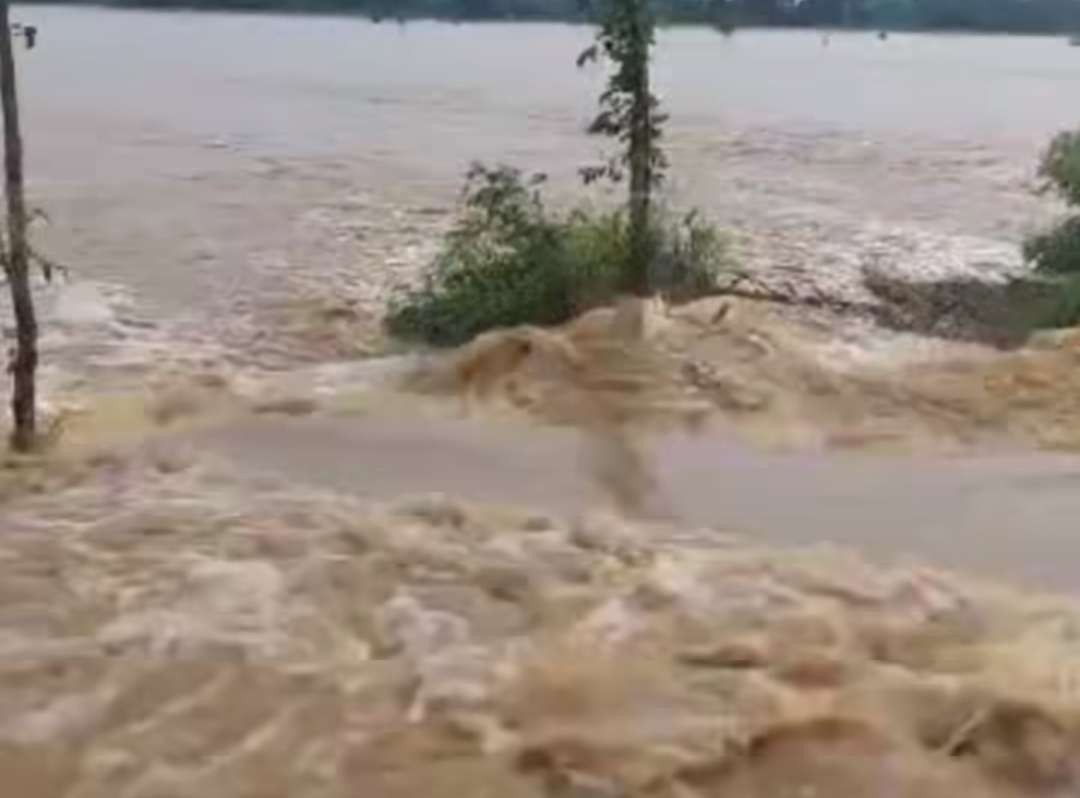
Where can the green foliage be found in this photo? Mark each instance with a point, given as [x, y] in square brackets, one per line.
[1056, 251]
[629, 113]
[627, 106]
[509, 260]
[690, 256]
[1065, 312]
[1059, 168]
[504, 263]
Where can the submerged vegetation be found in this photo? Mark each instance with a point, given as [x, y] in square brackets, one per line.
[630, 115]
[176, 624]
[1055, 251]
[512, 260]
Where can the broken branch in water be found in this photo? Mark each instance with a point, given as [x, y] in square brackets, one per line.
[749, 286]
[48, 266]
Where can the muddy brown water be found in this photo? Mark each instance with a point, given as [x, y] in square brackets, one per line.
[199, 167]
[1010, 516]
[204, 167]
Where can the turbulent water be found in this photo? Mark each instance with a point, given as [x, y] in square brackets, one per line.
[235, 195]
[216, 175]
[185, 632]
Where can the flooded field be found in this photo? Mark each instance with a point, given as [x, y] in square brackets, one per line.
[201, 596]
[209, 173]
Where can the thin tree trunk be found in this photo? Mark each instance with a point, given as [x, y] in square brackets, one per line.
[630, 312]
[640, 175]
[24, 363]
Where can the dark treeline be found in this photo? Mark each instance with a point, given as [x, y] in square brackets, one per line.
[1019, 16]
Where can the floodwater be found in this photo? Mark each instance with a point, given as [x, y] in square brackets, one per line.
[247, 609]
[1006, 517]
[204, 168]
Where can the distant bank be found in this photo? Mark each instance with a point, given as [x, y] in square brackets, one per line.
[997, 16]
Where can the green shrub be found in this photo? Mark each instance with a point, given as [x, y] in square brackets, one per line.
[1059, 168]
[1065, 310]
[1056, 250]
[509, 260]
[690, 256]
[1055, 253]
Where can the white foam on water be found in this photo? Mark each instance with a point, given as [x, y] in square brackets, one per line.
[82, 303]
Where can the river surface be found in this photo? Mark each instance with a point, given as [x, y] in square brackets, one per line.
[208, 174]
[248, 608]
[202, 169]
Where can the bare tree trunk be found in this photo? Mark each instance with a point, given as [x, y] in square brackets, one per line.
[24, 363]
